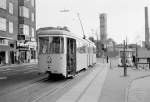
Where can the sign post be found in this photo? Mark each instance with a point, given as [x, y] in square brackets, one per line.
[125, 67]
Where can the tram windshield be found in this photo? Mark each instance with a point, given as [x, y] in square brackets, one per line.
[51, 45]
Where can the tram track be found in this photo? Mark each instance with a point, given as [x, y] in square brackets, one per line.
[39, 86]
[53, 91]
[23, 85]
[68, 84]
[37, 90]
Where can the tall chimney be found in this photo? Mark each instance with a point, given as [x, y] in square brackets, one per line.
[146, 28]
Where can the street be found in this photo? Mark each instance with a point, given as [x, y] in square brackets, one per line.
[101, 83]
[12, 78]
[24, 84]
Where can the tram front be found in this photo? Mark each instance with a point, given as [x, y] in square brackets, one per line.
[52, 57]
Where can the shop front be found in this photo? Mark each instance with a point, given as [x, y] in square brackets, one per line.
[26, 52]
[7, 55]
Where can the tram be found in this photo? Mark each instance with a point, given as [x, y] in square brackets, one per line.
[61, 52]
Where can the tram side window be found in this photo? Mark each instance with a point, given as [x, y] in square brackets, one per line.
[56, 45]
[43, 41]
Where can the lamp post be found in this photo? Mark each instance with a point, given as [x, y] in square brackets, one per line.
[125, 67]
[136, 57]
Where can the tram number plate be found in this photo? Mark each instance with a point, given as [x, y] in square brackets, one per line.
[49, 61]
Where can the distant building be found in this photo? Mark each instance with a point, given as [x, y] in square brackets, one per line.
[17, 30]
[103, 33]
[103, 27]
[147, 44]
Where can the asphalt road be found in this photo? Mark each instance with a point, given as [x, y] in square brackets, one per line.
[13, 78]
[17, 84]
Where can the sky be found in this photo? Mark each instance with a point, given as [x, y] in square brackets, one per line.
[125, 18]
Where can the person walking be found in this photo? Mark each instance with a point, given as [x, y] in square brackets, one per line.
[133, 60]
[107, 59]
[1, 59]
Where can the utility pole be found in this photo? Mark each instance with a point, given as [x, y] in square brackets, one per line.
[78, 15]
[136, 56]
[81, 25]
[125, 67]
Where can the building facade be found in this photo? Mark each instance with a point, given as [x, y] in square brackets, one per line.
[17, 31]
[8, 31]
[26, 35]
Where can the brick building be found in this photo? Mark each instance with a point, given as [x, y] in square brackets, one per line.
[27, 26]
[8, 30]
[17, 30]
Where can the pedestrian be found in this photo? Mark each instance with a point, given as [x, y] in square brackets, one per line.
[0, 59]
[133, 60]
[107, 59]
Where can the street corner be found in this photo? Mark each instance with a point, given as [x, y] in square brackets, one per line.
[139, 90]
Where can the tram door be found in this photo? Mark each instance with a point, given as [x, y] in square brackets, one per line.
[71, 56]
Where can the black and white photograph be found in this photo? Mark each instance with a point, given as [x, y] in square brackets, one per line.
[74, 51]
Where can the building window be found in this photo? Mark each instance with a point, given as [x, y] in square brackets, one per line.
[2, 24]
[3, 41]
[11, 8]
[32, 17]
[10, 27]
[3, 4]
[32, 34]
[24, 29]
[24, 11]
[32, 3]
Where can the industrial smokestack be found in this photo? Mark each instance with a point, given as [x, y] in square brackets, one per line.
[146, 28]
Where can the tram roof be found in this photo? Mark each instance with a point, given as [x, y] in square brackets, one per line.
[51, 31]
[47, 31]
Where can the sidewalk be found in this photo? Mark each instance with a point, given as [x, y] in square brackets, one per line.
[139, 90]
[118, 88]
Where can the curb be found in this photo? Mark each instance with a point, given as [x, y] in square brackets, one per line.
[129, 85]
